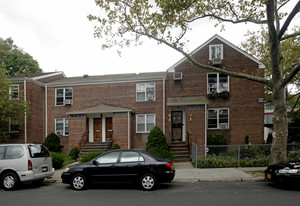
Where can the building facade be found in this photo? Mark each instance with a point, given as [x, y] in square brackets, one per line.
[186, 102]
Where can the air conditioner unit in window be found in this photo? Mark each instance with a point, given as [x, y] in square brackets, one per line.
[68, 101]
[177, 76]
[223, 125]
[150, 98]
[216, 61]
[59, 132]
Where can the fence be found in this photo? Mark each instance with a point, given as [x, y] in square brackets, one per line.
[238, 155]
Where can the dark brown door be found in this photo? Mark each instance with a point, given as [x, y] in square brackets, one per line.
[109, 128]
[177, 126]
[97, 129]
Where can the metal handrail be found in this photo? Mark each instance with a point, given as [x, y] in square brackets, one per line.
[83, 139]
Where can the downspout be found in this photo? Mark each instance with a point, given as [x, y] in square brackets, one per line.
[164, 106]
[25, 113]
[128, 129]
[46, 110]
[205, 133]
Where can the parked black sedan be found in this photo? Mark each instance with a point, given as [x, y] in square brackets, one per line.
[121, 166]
[283, 173]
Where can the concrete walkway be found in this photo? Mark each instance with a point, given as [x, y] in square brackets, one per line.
[185, 172]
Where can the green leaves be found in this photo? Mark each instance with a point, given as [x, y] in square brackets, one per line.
[15, 61]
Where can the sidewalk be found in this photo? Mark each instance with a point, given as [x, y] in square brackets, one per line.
[186, 173]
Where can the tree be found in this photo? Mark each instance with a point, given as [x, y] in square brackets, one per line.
[167, 21]
[15, 61]
[10, 108]
[257, 45]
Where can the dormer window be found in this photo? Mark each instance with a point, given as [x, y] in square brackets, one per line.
[216, 52]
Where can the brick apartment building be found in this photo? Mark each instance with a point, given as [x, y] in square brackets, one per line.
[186, 102]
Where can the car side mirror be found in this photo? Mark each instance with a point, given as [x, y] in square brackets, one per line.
[95, 162]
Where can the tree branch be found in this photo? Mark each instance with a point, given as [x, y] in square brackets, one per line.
[292, 74]
[288, 20]
[290, 36]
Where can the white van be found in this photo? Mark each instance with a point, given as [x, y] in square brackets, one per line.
[24, 163]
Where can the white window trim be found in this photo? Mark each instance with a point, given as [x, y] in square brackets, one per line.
[218, 82]
[216, 45]
[10, 91]
[218, 124]
[64, 96]
[146, 99]
[145, 116]
[64, 126]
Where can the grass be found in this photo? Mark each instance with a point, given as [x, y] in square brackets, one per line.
[68, 160]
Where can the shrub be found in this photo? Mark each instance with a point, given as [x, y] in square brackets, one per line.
[89, 156]
[52, 142]
[157, 143]
[157, 139]
[57, 159]
[221, 162]
[115, 146]
[216, 139]
[74, 152]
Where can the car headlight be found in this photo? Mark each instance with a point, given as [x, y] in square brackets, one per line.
[288, 171]
[67, 169]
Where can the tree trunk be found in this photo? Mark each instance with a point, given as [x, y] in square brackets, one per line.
[280, 126]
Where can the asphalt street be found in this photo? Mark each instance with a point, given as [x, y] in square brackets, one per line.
[175, 193]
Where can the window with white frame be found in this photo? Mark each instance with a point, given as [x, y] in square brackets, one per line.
[62, 126]
[215, 51]
[145, 122]
[145, 92]
[217, 83]
[14, 125]
[63, 96]
[218, 118]
[14, 91]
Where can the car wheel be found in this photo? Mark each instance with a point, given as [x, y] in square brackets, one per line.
[147, 182]
[78, 182]
[9, 181]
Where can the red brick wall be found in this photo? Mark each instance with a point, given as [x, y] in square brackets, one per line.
[246, 115]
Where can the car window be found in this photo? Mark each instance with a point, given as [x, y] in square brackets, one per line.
[13, 152]
[2, 150]
[131, 157]
[37, 151]
[111, 157]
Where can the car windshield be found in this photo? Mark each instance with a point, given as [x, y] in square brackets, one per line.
[38, 151]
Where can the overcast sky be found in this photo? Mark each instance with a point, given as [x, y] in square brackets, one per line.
[59, 36]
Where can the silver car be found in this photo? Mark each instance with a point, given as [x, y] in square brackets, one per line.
[24, 163]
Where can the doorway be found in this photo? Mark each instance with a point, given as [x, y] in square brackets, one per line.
[108, 128]
[97, 129]
[177, 126]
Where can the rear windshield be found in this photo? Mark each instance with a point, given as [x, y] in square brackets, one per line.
[38, 151]
[11, 152]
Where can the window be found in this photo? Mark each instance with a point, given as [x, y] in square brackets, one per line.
[145, 122]
[14, 125]
[218, 118]
[217, 83]
[145, 92]
[215, 51]
[62, 126]
[131, 157]
[64, 96]
[14, 91]
[108, 158]
[37, 151]
[11, 152]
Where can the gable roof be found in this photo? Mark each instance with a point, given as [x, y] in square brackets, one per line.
[216, 36]
[100, 108]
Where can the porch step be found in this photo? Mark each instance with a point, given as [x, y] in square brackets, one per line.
[94, 147]
[180, 151]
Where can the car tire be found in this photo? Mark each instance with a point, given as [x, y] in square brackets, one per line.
[78, 182]
[9, 181]
[147, 182]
